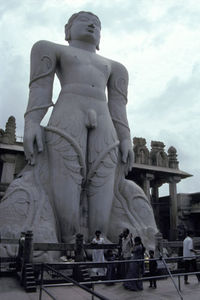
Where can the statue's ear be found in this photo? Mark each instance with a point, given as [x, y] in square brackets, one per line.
[67, 36]
[97, 47]
[67, 33]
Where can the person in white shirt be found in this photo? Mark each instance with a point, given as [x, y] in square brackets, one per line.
[189, 256]
[98, 254]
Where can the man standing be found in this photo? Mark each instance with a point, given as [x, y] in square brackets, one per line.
[127, 247]
[189, 256]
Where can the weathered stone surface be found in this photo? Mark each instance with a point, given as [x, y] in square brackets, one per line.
[75, 178]
[141, 151]
[172, 156]
[8, 136]
[158, 156]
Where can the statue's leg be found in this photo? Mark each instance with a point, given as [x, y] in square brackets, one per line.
[66, 158]
[102, 162]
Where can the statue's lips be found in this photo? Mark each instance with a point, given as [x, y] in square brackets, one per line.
[90, 30]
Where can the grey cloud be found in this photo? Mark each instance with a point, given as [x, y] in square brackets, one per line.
[184, 15]
[6, 6]
[173, 118]
[12, 86]
[178, 97]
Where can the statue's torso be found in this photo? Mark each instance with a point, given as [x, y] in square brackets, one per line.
[83, 76]
[86, 70]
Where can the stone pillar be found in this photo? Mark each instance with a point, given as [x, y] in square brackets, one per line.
[146, 179]
[173, 206]
[155, 200]
[79, 252]
[79, 256]
[8, 169]
[28, 247]
[20, 255]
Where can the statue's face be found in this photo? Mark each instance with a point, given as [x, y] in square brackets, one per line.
[86, 27]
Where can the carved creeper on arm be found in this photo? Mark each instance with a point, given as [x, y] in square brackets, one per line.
[117, 100]
[40, 96]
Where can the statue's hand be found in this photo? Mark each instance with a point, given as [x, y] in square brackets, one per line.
[127, 155]
[32, 135]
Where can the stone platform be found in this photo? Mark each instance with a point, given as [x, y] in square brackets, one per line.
[11, 290]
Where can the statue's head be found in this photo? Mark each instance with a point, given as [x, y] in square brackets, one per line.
[84, 18]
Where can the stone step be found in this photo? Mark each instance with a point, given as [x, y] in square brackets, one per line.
[28, 268]
[29, 274]
[30, 282]
[30, 289]
[30, 278]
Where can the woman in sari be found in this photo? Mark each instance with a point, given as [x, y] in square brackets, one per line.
[136, 268]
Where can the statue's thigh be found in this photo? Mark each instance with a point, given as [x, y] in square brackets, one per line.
[103, 157]
[66, 156]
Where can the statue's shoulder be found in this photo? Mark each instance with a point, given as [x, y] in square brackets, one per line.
[117, 67]
[114, 66]
[43, 46]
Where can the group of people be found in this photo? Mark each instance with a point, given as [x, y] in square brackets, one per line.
[132, 249]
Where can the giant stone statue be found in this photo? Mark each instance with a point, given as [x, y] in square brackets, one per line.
[75, 178]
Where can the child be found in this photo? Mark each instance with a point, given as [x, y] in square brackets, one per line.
[152, 270]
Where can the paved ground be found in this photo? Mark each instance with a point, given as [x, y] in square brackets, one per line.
[11, 290]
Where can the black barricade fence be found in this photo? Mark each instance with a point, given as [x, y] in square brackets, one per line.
[26, 249]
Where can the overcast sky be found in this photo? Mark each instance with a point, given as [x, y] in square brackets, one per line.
[157, 40]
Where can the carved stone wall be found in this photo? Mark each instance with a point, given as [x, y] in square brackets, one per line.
[8, 136]
[172, 156]
[12, 159]
[141, 151]
[157, 156]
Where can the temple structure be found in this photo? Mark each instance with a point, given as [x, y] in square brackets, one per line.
[152, 168]
[12, 159]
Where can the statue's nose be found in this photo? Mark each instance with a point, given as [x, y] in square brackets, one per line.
[91, 25]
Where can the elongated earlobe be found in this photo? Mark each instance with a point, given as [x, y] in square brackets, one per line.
[67, 33]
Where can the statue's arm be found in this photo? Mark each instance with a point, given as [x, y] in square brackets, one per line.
[117, 100]
[43, 64]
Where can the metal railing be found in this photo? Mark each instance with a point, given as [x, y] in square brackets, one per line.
[92, 283]
[26, 250]
[67, 278]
